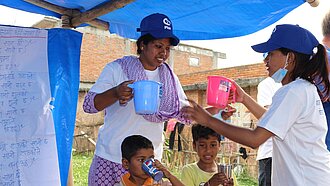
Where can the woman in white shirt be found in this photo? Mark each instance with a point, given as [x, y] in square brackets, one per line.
[295, 120]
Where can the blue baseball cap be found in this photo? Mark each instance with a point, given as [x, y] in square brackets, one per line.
[288, 36]
[158, 26]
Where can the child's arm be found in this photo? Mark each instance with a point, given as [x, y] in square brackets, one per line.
[174, 180]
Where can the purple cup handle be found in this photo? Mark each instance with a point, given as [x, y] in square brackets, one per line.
[161, 91]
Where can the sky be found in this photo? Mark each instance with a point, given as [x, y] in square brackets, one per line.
[238, 50]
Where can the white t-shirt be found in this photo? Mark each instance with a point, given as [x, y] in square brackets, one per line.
[121, 121]
[266, 90]
[297, 119]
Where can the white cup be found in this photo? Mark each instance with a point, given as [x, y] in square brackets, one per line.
[225, 168]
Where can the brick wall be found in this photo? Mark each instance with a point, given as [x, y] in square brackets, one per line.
[181, 62]
[98, 50]
[239, 72]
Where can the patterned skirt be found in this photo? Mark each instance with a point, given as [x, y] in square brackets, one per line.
[103, 172]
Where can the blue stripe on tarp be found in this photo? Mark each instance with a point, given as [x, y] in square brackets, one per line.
[64, 64]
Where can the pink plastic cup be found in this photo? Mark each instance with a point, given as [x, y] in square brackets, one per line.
[218, 89]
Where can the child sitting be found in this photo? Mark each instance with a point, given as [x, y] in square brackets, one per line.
[135, 150]
[206, 143]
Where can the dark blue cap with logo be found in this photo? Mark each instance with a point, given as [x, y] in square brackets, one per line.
[288, 36]
[159, 26]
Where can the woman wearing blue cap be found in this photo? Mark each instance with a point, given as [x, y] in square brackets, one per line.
[111, 93]
[295, 120]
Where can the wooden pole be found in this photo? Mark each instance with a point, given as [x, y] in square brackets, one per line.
[313, 3]
[70, 174]
[99, 11]
[68, 14]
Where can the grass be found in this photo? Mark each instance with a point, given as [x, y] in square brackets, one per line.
[81, 163]
[244, 180]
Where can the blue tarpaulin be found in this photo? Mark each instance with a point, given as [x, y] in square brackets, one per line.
[192, 19]
[64, 66]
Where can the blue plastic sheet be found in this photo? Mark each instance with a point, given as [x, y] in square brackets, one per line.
[192, 19]
[64, 65]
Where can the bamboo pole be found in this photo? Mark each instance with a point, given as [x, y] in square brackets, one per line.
[99, 11]
[313, 3]
[68, 14]
[70, 174]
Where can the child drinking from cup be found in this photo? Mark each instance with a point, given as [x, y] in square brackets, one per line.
[136, 150]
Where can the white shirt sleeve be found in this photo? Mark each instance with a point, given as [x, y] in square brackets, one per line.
[284, 111]
[111, 76]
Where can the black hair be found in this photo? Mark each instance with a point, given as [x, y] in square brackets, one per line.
[198, 131]
[326, 25]
[145, 39]
[312, 68]
[132, 144]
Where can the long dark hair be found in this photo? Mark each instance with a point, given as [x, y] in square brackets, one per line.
[313, 68]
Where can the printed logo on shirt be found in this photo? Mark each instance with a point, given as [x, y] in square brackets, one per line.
[320, 107]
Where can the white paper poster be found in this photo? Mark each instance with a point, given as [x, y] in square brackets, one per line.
[28, 154]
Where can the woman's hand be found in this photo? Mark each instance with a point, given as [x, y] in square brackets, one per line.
[197, 113]
[124, 93]
[228, 112]
[213, 110]
[239, 94]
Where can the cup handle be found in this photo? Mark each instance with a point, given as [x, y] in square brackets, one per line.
[131, 85]
[233, 88]
[161, 91]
